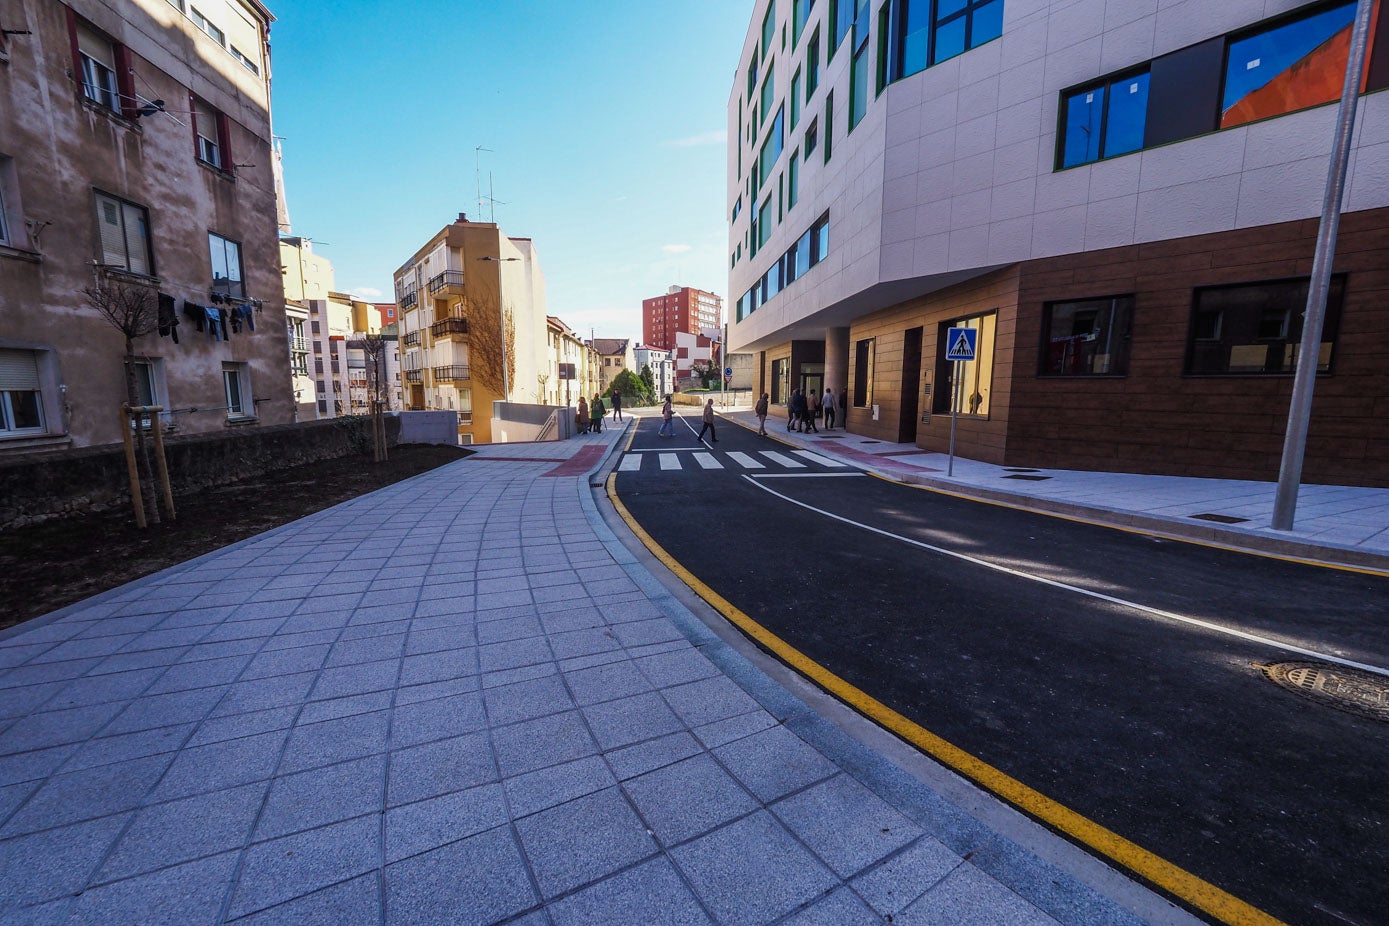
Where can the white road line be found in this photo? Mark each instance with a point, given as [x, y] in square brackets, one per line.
[816, 458]
[670, 461]
[782, 460]
[630, 463]
[802, 475]
[1122, 602]
[666, 449]
[745, 461]
[707, 461]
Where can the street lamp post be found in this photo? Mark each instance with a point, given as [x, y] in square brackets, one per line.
[501, 317]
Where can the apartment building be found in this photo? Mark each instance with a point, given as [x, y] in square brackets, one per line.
[1120, 197]
[662, 365]
[681, 309]
[615, 355]
[136, 169]
[473, 329]
[568, 353]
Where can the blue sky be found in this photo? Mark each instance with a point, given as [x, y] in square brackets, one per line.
[606, 120]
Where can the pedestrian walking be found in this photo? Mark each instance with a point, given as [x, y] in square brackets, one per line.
[844, 408]
[708, 423]
[668, 425]
[828, 406]
[582, 416]
[795, 417]
[596, 412]
[617, 405]
[812, 409]
[760, 410]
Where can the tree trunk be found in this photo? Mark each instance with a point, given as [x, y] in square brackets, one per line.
[142, 452]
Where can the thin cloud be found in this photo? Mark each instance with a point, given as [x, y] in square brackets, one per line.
[365, 292]
[699, 141]
[675, 248]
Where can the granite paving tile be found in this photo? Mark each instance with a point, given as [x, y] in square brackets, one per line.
[111, 749]
[153, 711]
[221, 765]
[218, 729]
[356, 902]
[774, 763]
[39, 673]
[512, 654]
[572, 643]
[652, 754]
[731, 729]
[202, 674]
[688, 799]
[845, 824]
[533, 744]
[511, 628]
[675, 667]
[54, 863]
[441, 718]
[56, 728]
[292, 866]
[185, 895]
[331, 741]
[443, 767]
[708, 700]
[413, 694]
[583, 840]
[891, 886]
[179, 831]
[648, 894]
[264, 693]
[426, 888]
[428, 824]
[28, 766]
[323, 795]
[841, 908]
[752, 871]
[367, 649]
[16, 702]
[360, 679]
[527, 699]
[369, 703]
[631, 720]
[606, 682]
[547, 787]
[968, 897]
[291, 661]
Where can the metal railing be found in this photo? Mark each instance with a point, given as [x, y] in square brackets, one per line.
[414, 376]
[409, 299]
[451, 372]
[411, 339]
[446, 280]
[448, 327]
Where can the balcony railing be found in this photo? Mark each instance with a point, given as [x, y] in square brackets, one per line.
[411, 339]
[414, 376]
[449, 327]
[409, 299]
[451, 373]
[450, 280]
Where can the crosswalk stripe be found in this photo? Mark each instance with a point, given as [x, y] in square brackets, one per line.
[782, 460]
[707, 461]
[817, 459]
[630, 463]
[745, 461]
[670, 461]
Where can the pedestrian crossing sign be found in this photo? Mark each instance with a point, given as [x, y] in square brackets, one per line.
[959, 343]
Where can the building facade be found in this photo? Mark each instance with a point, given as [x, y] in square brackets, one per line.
[662, 366]
[1121, 198]
[136, 170]
[681, 309]
[472, 324]
[614, 356]
[568, 352]
[694, 353]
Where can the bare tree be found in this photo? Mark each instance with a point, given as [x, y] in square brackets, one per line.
[133, 311]
[491, 338]
[374, 346]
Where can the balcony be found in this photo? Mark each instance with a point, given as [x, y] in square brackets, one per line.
[408, 300]
[449, 328]
[449, 282]
[411, 339]
[451, 374]
[414, 376]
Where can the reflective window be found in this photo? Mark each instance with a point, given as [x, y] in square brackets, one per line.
[800, 13]
[768, 93]
[1257, 328]
[226, 266]
[772, 147]
[1086, 338]
[973, 397]
[793, 180]
[768, 28]
[928, 33]
[812, 137]
[1288, 67]
[764, 222]
[812, 65]
[795, 99]
[841, 20]
[858, 87]
[1105, 120]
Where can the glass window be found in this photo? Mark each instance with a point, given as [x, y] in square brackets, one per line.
[925, 36]
[124, 234]
[206, 132]
[781, 381]
[913, 37]
[1257, 328]
[858, 87]
[803, 254]
[829, 125]
[793, 183]
[800, 14]
[772, 147]
[21, 411]
[976, 376]
[1086, 338]
[768, 28]
[752, 75]
[812, 65]
[1291, 66]
[226, 266]
[795, 99]
[812, 137]
[768, 93]
[864, 357]
[233, 381]
[98, 57]
[820, 240]
[4, 227]
[1104, 121]
[207, 25]
[764, 222]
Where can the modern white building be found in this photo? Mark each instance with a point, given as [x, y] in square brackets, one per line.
[1120, 196]
[662, 366]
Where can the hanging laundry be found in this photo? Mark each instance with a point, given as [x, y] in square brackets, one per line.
[248, 311]
[197, 314]
[216, 324]
[168, 317]
[222, 317]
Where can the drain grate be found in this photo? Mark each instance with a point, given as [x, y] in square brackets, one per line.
[1028, 478]
[1363, 693]
[1020, 469]
[1219, 518]
[872, 442]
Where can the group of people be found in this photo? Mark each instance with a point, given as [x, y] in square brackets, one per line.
[590, 415]
[668, 421]
[805, 409]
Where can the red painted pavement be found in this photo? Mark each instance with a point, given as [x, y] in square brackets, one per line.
[580, 462]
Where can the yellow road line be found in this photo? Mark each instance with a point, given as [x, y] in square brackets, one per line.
[1180, 883]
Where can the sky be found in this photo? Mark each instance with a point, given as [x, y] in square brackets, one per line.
[606, 123]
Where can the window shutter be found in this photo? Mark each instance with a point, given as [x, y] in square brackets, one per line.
[125, 83]
[224, 141]
[95, 46]
[76, 53]
[137, 239]
[19, 370]
[112, 235]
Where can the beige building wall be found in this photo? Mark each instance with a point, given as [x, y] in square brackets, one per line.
[76, 159]
[307, 275]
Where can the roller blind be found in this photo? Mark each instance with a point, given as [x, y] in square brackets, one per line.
[19, 370]
[95, 46]
[112, 234]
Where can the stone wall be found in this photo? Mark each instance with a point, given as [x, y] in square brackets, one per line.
[41, 487]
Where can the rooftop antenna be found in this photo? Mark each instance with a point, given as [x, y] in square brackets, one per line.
[492, 200]
[477, 170]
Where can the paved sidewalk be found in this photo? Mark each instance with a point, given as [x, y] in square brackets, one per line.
[1343, 524]
[460, 699]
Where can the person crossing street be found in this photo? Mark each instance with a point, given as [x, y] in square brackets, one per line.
[708, 423]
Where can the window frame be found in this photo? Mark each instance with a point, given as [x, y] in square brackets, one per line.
[829, 125]
[239, 373]
[985, 346]
[214, 139]
[865, 363]
[1290, 338]
[1104, 86]
[8, 428]
[237, 291]
[143, 213]
[1119, 368]
[106, 86]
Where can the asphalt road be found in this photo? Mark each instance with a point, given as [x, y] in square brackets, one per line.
[1056, 652]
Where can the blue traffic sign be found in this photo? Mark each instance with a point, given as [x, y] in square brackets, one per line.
[727, 371]
[960, 342]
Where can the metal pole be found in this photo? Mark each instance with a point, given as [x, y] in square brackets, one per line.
[954, 416]
[1309, 351]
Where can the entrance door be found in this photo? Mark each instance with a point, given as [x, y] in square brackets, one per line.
[812, 378]
[416, 396]
[911, 385]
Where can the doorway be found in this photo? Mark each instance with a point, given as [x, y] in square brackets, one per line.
[911, 385]
[812, 378]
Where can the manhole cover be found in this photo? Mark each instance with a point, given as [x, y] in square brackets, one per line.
[1363, 693]
[1220, 518]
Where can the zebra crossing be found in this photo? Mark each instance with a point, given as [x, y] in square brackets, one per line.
[767, 461]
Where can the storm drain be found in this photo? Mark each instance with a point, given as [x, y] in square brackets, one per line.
[1020, 469]
[1219, 518]
[1028, 478]
[1352, 690]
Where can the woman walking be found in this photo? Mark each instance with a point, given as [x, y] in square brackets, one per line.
[583, 415]
[596, 412]
[795, 411]
[708, 423]
[668, 425]
[812, 409]
[760, 410]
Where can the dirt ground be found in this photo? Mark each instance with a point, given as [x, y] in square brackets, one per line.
[50, 565]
